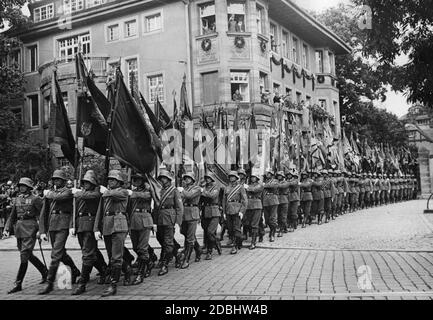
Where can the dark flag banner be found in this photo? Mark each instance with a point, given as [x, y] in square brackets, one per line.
[92, 125]
[61, 132]
[130, 138]
[152, 117]
[162, 116]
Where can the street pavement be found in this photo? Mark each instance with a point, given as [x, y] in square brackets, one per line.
[379, 253]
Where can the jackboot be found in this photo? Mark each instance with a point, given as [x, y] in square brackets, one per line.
[108, 275]
[230, 242]
[185, 262]
[234, 249]
[52, 271]
[198, 251]
[223, 231]
[239, 242]
[114, 279]
[20, 277]
[245, 234]
[102, 269]
[218, 247]
[67, 260]
[280, 232]
[148, 269]
[84, 279]
[272, 234]
[164, 269]
[260, 238]
[127, 271]
[209, 254]
[41, 268]
[253, 242]
[142, 266]
[177, 256]
[161, 259]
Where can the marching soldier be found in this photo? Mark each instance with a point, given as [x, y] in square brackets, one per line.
[347, 191]
[283, 203]
[87, 202]
[328, 185]
[306, 198]
[334, 193]
[362, 184]
[243, 181]
[368, 188]
[357, 190]
[340, 192]
[254, 207]
[141, 224]
[210, 199]
[270, 203]
[191, 215]
[294, 198]
[112, 223]
[234, 204]
[317, 207]
[376, 189]
[387, 187]
[23, 218]
[56, 218]
[169, 213]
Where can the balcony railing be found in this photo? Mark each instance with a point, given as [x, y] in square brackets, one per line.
[66, 67]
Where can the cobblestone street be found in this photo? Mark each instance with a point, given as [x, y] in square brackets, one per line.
[379, 253]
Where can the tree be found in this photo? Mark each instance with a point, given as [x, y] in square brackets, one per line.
[403, 28]
[19, 155]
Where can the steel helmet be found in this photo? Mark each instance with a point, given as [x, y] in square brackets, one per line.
[117, 175]
[59, 174]
[26, 182]
[165, 173]
[90, 176]
[189, 175]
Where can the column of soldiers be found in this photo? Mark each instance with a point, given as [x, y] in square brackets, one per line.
[280, 201]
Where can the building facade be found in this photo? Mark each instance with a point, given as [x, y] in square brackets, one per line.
[421, 136]
[231, 52]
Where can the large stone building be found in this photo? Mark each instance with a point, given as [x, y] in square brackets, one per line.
[221, 46]
[421, 136]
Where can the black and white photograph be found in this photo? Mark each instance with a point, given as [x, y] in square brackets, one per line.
[232, 151]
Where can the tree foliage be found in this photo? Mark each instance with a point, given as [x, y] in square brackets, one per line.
[19, 155]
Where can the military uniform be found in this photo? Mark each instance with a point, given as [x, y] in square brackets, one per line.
[318, 205]
[362, 184]
[327, 187]
[23, 219]
[254, 209]
[56, 218]
[111, 220]
[87, 203]
[368, 188]
[235, 201]
[210, 203]
[306, 198]
[347, 191]
[168, 214]
[294, 198]
[283, 203]
[270, 205]
[191, 215]
[340, 193]
[140, 225]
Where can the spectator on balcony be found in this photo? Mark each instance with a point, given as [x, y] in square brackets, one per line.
[237, 97]
[232, 23]
[205, 27]
[277, 98]
[213, 28]
[240, 27]
[265, 97]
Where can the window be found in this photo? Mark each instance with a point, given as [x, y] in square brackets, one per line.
[43, 13]
[260, 20]
[34, 110]
[240, 86]
[285, 44]
[153, 22]
[322, 103]
[156, 87]
[289, 94]
[335, 111]
[331, 62]
[236, 16]
[207, 18]
[113, 33]
[130, 28]
[132, 73]
[15, 58]
[295, 54]
[210, 88]
[94, 3]
[305, 57]
[273, 36]
[72, 6]
[32, 60]
[308, 101]
[68, 47]
[319, 61]
[298, 97]
[263, 82]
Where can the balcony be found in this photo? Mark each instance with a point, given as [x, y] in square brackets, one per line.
[66, 68]
[326, 80]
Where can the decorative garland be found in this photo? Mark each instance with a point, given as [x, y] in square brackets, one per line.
[293, 69]
[206, 45]
[321, 79]
[239, 42]
[318, 113]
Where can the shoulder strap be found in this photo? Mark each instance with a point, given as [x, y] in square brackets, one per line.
[233, 192]
[166, 194]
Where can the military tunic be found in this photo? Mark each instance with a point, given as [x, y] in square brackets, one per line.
[317, 207]
[210, 203]
[306, 197]
[141, 222]
[283, 206]
[271, 202]
[254, 207]
[327, 187]
[294, 198]
[191, 214]
[235, 201]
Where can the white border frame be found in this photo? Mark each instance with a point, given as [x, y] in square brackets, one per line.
[28, 105]
[151, 13]
[27, 55]
[164, 79]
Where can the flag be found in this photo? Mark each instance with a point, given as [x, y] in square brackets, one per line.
[253, 140]
[152, 117]
[130, 137]
[186, 113]
[61, 132]
[93, 110]
[162, 116]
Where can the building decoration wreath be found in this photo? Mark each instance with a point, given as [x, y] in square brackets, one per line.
[263, 46]
[239, 42]
[206, 45]
[320, 79]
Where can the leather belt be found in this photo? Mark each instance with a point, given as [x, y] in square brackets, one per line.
[113, 213]
[168, 207]
[142, 210]
[60, 212]
[86, 214]
[251, 197]
[22, 218]
[190, 205]
[234, 202]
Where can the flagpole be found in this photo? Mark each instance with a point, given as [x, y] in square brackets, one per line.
[110, 122]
